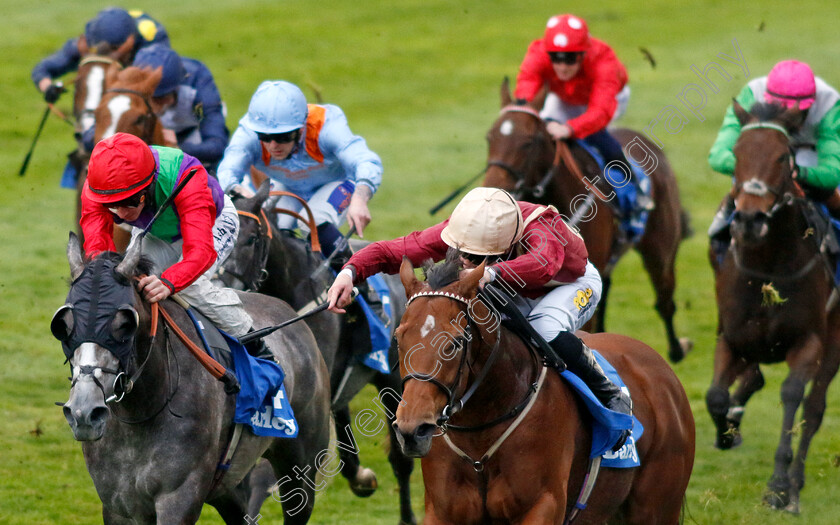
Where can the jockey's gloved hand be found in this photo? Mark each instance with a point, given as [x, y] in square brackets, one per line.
[53, 92]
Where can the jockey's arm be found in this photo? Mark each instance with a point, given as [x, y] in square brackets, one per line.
[721, 156]
[57, 64]
[212, 127]
[826, 174]
[242, 153]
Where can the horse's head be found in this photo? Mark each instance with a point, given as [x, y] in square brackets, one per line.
[126, 105]
[520, 150]
[98, 329]
[764, 163]
[89, 85]
[441, 328]
[245, 268]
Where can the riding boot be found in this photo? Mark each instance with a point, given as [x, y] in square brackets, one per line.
[581, 362]
[719, 237]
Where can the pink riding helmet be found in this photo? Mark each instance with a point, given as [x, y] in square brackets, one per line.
[791, 82]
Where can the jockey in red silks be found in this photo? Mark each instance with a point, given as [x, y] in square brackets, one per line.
[127, 181]
[587, 90]
[527, 247]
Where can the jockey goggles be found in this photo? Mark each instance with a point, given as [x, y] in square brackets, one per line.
[562, 57]
[130, 203]
[280, 138]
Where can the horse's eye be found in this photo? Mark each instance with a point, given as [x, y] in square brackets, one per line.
[252, 239]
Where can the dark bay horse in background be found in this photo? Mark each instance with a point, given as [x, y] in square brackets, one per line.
[773, 295]
[278, 263]
[522, 156]
[153, 452]
[500, 460]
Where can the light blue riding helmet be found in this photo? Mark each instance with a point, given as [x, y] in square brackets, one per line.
[276, 107]
[158, 55]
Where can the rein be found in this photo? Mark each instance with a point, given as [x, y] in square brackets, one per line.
[264, 240]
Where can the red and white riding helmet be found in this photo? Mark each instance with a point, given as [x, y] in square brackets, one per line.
[119, 167]
[566, 34]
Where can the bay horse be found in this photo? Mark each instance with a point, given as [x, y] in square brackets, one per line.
[773, 296]
[153, 450]
[513, 440]
[523, 159]
[278, 263]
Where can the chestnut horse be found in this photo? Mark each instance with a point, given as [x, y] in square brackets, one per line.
[773, 296]
[523, 159]
[518, 450]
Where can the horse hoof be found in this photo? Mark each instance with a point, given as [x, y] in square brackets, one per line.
[365, 483]
[686, 345]
[777, 500]
[728, 440]
[412, 522]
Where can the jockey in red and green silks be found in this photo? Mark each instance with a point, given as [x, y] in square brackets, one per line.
[816, 143]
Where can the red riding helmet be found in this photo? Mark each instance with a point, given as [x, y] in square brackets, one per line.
[566, 34]
[119, 167]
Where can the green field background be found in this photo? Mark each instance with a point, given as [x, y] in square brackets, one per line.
[419, 80]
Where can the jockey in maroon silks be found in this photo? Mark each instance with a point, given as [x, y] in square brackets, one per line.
[527, 247]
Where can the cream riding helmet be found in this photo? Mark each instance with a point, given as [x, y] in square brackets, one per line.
[487, 221]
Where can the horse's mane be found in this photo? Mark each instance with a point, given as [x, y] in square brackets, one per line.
[766, 111]
[447, 272]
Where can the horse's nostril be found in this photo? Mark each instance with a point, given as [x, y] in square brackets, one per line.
[68, 414]
[98, 415]
[425, 430]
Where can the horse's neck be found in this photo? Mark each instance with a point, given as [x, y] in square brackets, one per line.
[506, 383]
[288, 264]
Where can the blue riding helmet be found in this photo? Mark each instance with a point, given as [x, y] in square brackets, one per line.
[276, 107]
[112, 25]
[158, 55]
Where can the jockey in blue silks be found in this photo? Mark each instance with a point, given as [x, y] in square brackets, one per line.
[112, 26]
[188, 104]
[308, 150]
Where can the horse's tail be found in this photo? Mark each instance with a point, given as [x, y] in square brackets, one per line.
[686, 230]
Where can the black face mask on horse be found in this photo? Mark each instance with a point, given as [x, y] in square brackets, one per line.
[99, 309]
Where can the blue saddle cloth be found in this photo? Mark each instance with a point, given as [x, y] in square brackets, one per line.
[632, 221]
[607, 425]
[70, 176]
[380, 334]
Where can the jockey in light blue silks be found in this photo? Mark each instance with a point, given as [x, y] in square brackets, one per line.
[308, 150]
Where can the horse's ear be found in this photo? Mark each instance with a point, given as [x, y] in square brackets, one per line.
[112, 75]
[151, 82]
[261, 196]
[132, 257]
[409, 280]
[792, 118]
[539, 100]
[504, 92]
[124, 52]
[740, 113]
[257, 177]
[74, 256]
[468, 286]
[83, 46]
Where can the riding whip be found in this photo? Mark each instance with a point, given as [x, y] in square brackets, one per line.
[259, 334]
[454, 194]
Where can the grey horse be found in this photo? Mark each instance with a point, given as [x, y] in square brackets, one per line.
[278, 263]
[153, 455]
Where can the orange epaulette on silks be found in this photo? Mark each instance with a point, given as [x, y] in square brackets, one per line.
[314, 123]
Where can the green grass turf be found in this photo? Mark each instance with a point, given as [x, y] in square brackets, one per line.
[419, 80]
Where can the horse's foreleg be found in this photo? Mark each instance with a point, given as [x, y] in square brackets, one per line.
[362, 480]
[812, 414]
[727, 368]
[402, 465]
[660, 269]
[749, 382]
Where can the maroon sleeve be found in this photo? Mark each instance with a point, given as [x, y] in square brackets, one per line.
[97, 226]
[533, 72]
[386, 256]
[197, 215]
